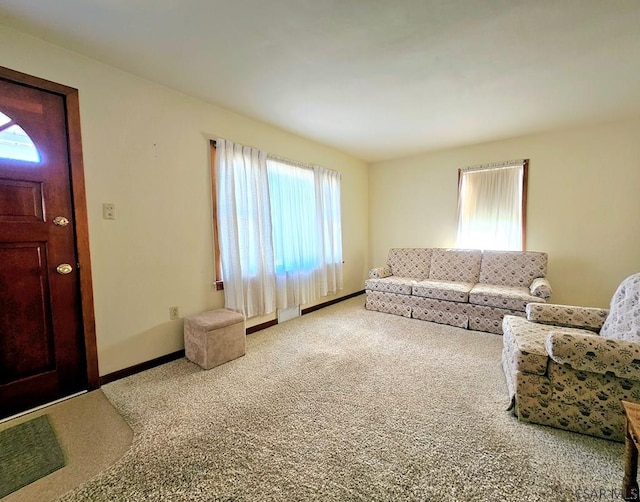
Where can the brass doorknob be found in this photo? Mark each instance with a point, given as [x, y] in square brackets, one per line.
[64, 269]
[61, 221]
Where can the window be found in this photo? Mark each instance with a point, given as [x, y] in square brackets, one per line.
[293, 216]
[15, 143]
[492, 206]
[277, 229]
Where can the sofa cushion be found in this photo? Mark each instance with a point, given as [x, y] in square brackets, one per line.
[459, 265]
[393, 284]
[410, 262]
[507, 297]
[512, 268]
[443, 290]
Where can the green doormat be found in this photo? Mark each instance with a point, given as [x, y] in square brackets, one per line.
[28, 452]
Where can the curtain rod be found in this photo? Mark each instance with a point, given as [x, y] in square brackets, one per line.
[495, 165]
[301, 165]
[295, 163]
[284, 160]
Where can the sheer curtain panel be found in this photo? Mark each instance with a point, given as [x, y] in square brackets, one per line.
[307, 232]
[279, 230]
[294, 239]
[244, 229]
[491, 206]
[327, 184]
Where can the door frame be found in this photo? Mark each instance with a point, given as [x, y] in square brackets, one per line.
[80, 215]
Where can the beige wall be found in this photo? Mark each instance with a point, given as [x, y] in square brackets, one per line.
[583, 207]
[146, 149]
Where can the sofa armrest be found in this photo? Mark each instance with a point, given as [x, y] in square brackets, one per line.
[380, 272]
[541, 288]
[590, 318]
[595, 353]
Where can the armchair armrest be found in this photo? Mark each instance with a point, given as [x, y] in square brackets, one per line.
[594, 353]
[591, 318]
[380, 272]
[541, 288]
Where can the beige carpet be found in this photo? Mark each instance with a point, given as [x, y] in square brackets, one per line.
[92, 436]
[345, 404]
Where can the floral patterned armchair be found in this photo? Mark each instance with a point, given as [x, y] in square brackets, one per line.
[569, 367]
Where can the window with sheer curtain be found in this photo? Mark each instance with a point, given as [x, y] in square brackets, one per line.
[278, 229]
[492, 206]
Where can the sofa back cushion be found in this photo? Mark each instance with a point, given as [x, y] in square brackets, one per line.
[410, 262]
[623, 321]
[512, 268]
[460, 265]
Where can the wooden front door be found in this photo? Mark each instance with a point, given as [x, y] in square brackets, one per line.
[43, 348]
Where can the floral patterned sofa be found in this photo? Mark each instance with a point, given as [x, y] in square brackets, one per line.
[467, 288]
[569, 367]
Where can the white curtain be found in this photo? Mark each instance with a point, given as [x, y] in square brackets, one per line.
[244, 229]
[307, 232]
[329, 212]
[279, 226]
[490, 209]
[294, 240]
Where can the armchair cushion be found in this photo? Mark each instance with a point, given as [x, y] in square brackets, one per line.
[591, 318]
[524, 343]
[595, 354]
[623, 322]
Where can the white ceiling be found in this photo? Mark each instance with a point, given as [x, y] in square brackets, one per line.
[378, 79]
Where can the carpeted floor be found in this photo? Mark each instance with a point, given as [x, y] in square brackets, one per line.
[345, 404]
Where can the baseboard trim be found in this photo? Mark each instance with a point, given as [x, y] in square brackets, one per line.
[261, 326]
[308, 310]
[138, 368]
[167, 358]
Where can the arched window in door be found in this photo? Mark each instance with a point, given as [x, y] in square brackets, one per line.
[15, 143]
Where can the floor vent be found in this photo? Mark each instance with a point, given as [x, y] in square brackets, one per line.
[288, 313]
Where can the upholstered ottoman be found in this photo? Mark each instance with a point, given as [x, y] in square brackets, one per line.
[214, 337]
